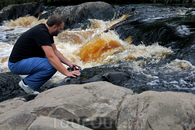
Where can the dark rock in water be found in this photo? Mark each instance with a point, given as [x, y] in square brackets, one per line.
[87, 75]
[125, 76]
[94, 74]
[116, 77]
[13, 12]
[29, 97]
[187, 51]
[74, 15]
[9, 87]
[37, 10]
[49, 12]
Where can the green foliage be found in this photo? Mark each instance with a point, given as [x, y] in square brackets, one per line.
[52, 1]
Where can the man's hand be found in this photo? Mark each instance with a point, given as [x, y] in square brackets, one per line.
[74, 73]
[73, 65]
[56, 63]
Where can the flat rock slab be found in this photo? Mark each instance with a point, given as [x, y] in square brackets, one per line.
[48, 123]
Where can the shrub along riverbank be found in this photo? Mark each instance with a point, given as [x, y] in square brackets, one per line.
[4, 3]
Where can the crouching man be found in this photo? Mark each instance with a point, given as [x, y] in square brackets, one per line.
[35, 54]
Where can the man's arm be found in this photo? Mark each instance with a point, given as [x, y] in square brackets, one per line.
[62, 58]
[56, 63]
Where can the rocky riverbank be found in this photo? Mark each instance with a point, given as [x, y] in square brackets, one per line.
[99, 105]
[104, 97]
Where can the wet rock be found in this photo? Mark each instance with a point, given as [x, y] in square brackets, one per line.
[125, 76]
[116, 77]
[74, 15]
[94, 74]
[13, 12]
[9, 87]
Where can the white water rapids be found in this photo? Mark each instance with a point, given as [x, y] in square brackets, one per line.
[90, 47]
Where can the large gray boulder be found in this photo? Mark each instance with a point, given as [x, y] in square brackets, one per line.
[94, 105]
[99, 105]
[158, 111]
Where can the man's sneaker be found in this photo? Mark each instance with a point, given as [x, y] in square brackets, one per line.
[27, 89]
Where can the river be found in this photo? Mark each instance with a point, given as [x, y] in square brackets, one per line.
[155, 42]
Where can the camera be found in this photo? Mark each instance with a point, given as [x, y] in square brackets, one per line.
[74, 68]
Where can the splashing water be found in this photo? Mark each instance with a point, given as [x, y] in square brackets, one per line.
[150, 66]
[5, 50]
[96, 47]
[26, 22]
[87, 48]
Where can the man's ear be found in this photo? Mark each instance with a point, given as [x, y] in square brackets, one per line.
[54, 27]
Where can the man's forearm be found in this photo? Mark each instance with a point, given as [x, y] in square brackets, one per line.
[54, 59]
[55, 62]
[62, 58]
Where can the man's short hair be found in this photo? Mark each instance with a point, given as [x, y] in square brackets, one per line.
[54, 20]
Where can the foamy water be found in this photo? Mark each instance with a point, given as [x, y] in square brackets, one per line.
[90, 47]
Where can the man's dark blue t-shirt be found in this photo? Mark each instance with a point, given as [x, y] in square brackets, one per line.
[29, 44]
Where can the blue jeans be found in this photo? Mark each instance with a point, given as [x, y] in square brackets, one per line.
[39, 71]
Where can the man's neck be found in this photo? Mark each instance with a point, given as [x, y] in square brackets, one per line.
[49, 29]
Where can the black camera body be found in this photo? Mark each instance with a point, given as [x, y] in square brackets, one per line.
[74, 68]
